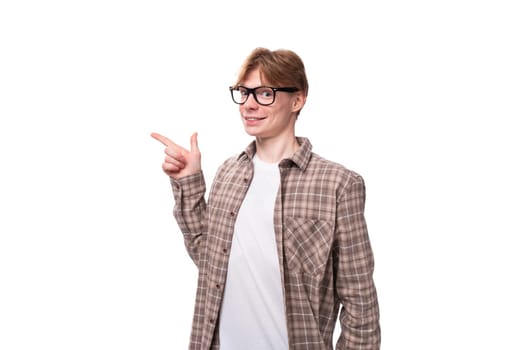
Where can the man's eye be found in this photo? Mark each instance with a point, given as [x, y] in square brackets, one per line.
[266, 93]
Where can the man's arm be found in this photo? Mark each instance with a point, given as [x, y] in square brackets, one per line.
[354, 268]
[190, 212]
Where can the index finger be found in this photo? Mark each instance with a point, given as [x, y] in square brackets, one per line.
[163, 139]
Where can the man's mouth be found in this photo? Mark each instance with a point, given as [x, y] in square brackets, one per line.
[254, 118]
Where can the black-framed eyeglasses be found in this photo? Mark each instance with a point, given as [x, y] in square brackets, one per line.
[264, 95]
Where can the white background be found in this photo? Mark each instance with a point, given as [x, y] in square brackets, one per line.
[424, 99]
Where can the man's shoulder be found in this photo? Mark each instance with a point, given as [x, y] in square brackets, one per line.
[231, 165]
[233, 160]
[320, 164]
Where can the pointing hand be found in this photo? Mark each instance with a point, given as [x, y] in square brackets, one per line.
[180, 162]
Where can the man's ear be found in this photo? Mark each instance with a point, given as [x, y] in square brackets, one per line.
[298, 102]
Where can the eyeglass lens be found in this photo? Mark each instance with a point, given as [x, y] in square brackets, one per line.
[263, 95]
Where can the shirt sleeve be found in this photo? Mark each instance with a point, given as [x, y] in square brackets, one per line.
[354, 268]
[190, 212]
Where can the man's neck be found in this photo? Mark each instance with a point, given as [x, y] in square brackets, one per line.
[273, 150]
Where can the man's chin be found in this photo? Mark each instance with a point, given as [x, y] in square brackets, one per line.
[251, 131]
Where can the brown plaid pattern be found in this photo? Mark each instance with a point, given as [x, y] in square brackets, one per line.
[324, 250]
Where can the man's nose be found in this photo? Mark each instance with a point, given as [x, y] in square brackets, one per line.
[250, 100]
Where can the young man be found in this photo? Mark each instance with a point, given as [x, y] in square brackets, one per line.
[282, 246]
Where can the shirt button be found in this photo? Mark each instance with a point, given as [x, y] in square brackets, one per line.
[218, 286]
[232, 214]
[224, 250]
[211, 320]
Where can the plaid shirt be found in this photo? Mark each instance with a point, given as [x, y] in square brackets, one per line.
[323, 247]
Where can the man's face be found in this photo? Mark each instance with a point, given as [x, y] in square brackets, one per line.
[273, 121]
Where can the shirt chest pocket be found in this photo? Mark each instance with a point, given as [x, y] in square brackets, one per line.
[307, 244]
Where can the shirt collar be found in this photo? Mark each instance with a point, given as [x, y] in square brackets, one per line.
[300, 158]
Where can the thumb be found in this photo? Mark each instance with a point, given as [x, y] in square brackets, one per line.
[194, 144]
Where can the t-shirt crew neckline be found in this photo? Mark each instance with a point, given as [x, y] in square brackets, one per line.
[261, 163]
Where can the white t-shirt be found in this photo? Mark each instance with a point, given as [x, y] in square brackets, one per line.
[252, 314]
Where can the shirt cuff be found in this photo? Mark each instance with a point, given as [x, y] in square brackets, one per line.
[191, 185]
